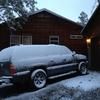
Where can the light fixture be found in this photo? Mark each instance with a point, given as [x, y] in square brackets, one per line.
[88, 41]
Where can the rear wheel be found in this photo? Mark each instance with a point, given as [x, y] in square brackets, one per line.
[39, 78]
[83, 68]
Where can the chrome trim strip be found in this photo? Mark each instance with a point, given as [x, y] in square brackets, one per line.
[22, 73]
[60, 66]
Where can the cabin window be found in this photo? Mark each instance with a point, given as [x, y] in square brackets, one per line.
[27, 40]
[76, 36]
[54, 39]
[18, 39]
[15, 40]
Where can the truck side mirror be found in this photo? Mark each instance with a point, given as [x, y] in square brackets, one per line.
[74, 53]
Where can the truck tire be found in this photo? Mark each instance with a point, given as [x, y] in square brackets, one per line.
[38, 78]
[83, 68]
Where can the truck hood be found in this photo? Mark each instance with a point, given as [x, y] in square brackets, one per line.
[80, 57]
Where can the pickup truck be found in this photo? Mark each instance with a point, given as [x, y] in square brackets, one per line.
[36, 63]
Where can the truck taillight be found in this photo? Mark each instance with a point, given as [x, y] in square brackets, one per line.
[12, 69]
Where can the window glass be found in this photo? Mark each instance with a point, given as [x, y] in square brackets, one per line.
[18, 39]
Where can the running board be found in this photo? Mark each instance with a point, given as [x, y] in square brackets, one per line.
[56, 76]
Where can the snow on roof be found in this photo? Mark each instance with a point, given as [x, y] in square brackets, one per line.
[55, 14]
[28, 51]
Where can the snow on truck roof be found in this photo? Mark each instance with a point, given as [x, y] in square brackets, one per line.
[36, 50]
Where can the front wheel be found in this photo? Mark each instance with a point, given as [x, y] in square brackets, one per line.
[39, 78]
[83, 68]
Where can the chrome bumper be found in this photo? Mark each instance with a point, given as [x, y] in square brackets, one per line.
[5, 79]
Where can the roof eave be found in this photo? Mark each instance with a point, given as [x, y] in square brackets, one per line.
[85, 29]
[55, 14]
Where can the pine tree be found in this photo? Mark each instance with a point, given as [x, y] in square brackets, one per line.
[83, 18]
[98, 1]
[10, 9]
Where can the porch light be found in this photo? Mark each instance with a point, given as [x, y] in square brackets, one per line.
[88, 41]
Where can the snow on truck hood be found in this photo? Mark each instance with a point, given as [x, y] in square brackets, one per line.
[80, 56]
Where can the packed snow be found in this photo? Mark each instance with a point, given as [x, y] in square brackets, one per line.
[23, 51]
[85, 82]
[68, 89]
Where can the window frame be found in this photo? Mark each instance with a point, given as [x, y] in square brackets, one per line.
[76, 37]
[51, 40]
[20, 39]
[19, 42]
[25, 37]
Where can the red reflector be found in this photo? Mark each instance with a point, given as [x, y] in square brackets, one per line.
[12, 69]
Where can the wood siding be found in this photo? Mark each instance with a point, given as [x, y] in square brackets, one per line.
[4, 36]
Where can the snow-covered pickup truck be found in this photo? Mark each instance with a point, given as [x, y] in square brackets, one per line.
[37, 63]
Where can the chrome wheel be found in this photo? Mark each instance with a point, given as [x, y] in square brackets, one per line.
[83, 68]
[39, 78]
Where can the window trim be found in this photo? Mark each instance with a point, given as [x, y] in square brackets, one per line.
[51, 40]
[27, 36]
[76, 37]
[11, 36]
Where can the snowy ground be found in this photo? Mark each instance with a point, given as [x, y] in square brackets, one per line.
[86, 87]
[86, 82]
